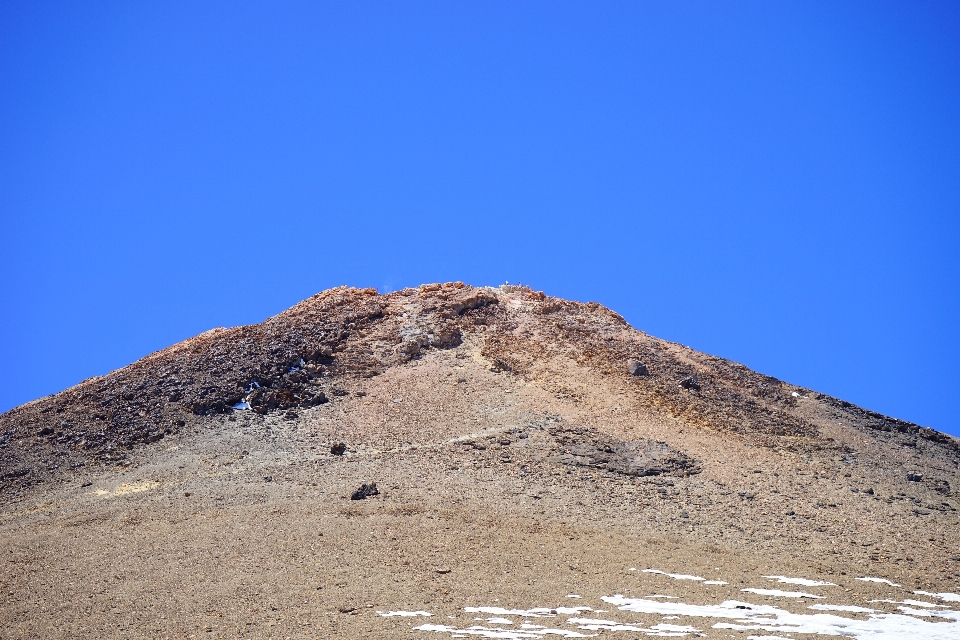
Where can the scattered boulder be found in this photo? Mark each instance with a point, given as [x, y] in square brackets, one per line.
[914, 477]
[338, 449]
[691, 383]
[365, 491]
[637, 368]
[317, 399]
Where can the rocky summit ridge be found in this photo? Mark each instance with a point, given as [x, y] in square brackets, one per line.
[365, 465]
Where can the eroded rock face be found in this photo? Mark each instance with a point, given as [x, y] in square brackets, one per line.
[587, 448]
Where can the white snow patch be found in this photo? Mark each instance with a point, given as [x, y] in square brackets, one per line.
[506, 634]
[241, 406]
[841, 607]
[403, 614]
[883, 580]
[744, 616]
[916, 603]
[675, 576]
[949, 597]
[715, 582]
[573, 595]
[781, 594]
[950, 615]
[662, 629]
[803, 582]
[930, 623]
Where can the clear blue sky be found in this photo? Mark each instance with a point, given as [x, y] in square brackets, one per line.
[774, 182]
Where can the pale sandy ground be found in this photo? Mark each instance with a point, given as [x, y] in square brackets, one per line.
[191, 539]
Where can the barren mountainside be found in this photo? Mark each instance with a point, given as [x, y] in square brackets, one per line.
[295, 359]
[449, 447]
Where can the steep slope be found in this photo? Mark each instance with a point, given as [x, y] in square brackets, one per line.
[511, 435]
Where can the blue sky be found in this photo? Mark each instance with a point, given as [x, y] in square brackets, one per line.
[777, 183]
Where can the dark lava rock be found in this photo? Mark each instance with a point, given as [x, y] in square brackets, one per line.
[914, 477]
[365, 491]
[319, 398]
[637, 368]
[588, 448]
[693, 382]
[941, 486]
[338, 449]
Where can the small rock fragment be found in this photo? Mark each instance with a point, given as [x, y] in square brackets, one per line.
[365, 491]
[338, 449]
[693, 382]
[914, 477]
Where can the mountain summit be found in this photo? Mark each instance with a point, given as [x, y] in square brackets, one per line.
[399, 464]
